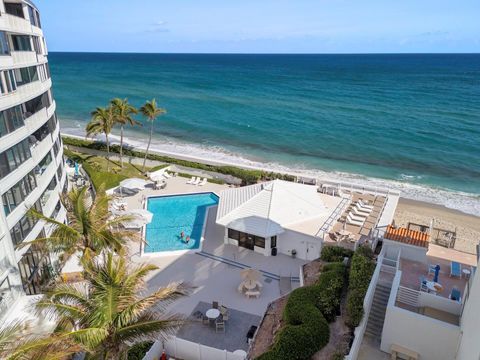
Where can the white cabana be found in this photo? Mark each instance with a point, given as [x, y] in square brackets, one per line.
[265, 209]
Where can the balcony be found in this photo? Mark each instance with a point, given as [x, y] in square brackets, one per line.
[27, 91]
[26, 58]
[18, 24]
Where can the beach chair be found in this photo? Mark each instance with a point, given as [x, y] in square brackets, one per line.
[362, 210]
[356, 217]
[352, 221]
[455, 269]
[363, 205]
[192, 180]
[455, 295]
[203, 182]
[358, 213]
[197, 181]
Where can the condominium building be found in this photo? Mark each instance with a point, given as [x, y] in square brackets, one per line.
[31, 156]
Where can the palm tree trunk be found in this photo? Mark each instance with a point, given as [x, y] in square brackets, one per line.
[148, 146]
[121, 147]
[108, 152]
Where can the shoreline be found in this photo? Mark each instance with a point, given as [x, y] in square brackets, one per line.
[468, 204]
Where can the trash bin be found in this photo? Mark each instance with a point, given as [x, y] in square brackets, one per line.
[274, 251]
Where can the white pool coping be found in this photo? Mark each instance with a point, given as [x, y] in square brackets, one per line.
[157, 254]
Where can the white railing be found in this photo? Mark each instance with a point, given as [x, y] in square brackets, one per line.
[355, 187]
[408, 296]
[183, 349]
[367, 306]
[327, 225]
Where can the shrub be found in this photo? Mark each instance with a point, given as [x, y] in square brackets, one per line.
[138, 351]
[306, 315]
[361, 271]
[335, 253]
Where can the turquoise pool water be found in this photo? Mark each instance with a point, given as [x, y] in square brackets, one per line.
[174, 214]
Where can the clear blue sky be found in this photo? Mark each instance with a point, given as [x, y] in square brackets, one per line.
[262, 26]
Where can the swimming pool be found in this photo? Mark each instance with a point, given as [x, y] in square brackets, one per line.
[174, 214]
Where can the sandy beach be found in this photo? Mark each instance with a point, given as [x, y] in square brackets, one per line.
[467, 226]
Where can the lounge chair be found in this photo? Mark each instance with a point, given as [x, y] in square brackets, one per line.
[356, 217]
[358, 213]
[455, 269]
[455, 295]
[352, 221]
[192, 180]
[197, 181]
[167, 175]
[362, 210]
[203, 182]
[363, 205]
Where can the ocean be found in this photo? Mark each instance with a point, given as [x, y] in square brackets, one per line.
[409, 122]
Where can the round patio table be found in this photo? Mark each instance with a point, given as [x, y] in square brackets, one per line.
[434, 286]
[212, 314]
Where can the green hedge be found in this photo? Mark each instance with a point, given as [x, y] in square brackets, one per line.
[247, 176]
[361, 271]
[335, 253]
[306, 315]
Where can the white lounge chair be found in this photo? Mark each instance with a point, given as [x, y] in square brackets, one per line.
[197, 181]
[356, 217]
[362, 205]
[362, 214]
[192, 180]
[203, 182]
[353, 221]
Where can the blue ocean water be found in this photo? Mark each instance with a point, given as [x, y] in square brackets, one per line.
[173, 215]
[408, 121]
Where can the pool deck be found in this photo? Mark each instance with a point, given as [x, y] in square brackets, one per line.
[212, 279]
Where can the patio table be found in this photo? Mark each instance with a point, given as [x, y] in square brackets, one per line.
[250, 284]
[434, 286]
[212, 314]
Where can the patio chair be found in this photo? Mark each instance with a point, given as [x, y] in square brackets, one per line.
[214, 304]
[203, 182]
[240, 288]
[250, 294]
[455, 269]
[423, 284]
[192, 180]
[219, 325]
[205, 320]
[455, 295]
[225, 317]
[223, 309]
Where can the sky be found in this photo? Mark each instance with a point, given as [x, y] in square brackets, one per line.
[262, 26]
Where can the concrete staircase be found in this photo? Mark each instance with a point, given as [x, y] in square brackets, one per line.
[377, 312]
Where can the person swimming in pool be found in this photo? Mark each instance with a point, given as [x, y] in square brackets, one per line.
[187, 240]
[182, 235]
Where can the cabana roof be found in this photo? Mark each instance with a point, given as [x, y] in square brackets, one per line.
[266, 209]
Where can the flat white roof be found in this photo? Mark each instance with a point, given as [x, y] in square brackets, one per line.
[269, 208]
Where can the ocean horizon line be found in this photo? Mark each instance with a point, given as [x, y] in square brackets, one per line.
[261, 53]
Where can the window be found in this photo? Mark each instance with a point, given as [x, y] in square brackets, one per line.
[34, 16]
[42, 166]
[37, 45]
[20, 230]
[234, 234]
[4, 46]
[26, 75]
[18, 193]
[33, 106]
[56, 210]
[10, 80]
[21, 43]
[10, 120]
[60, 172]
[273, 240]
[47, 68]
[12, 158]
[15, 9]
[35, 269]
[260, 241]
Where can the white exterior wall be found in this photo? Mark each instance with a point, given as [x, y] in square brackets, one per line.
[431, 338]
[410, 252]
[469, 348]
[291, 240]
[9, 256]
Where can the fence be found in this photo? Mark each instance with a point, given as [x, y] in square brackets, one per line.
[183, 349]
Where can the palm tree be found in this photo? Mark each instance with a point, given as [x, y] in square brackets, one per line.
[101, 123]
[151, 111]
[108, 316]
[122, 115]
[90, 228]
